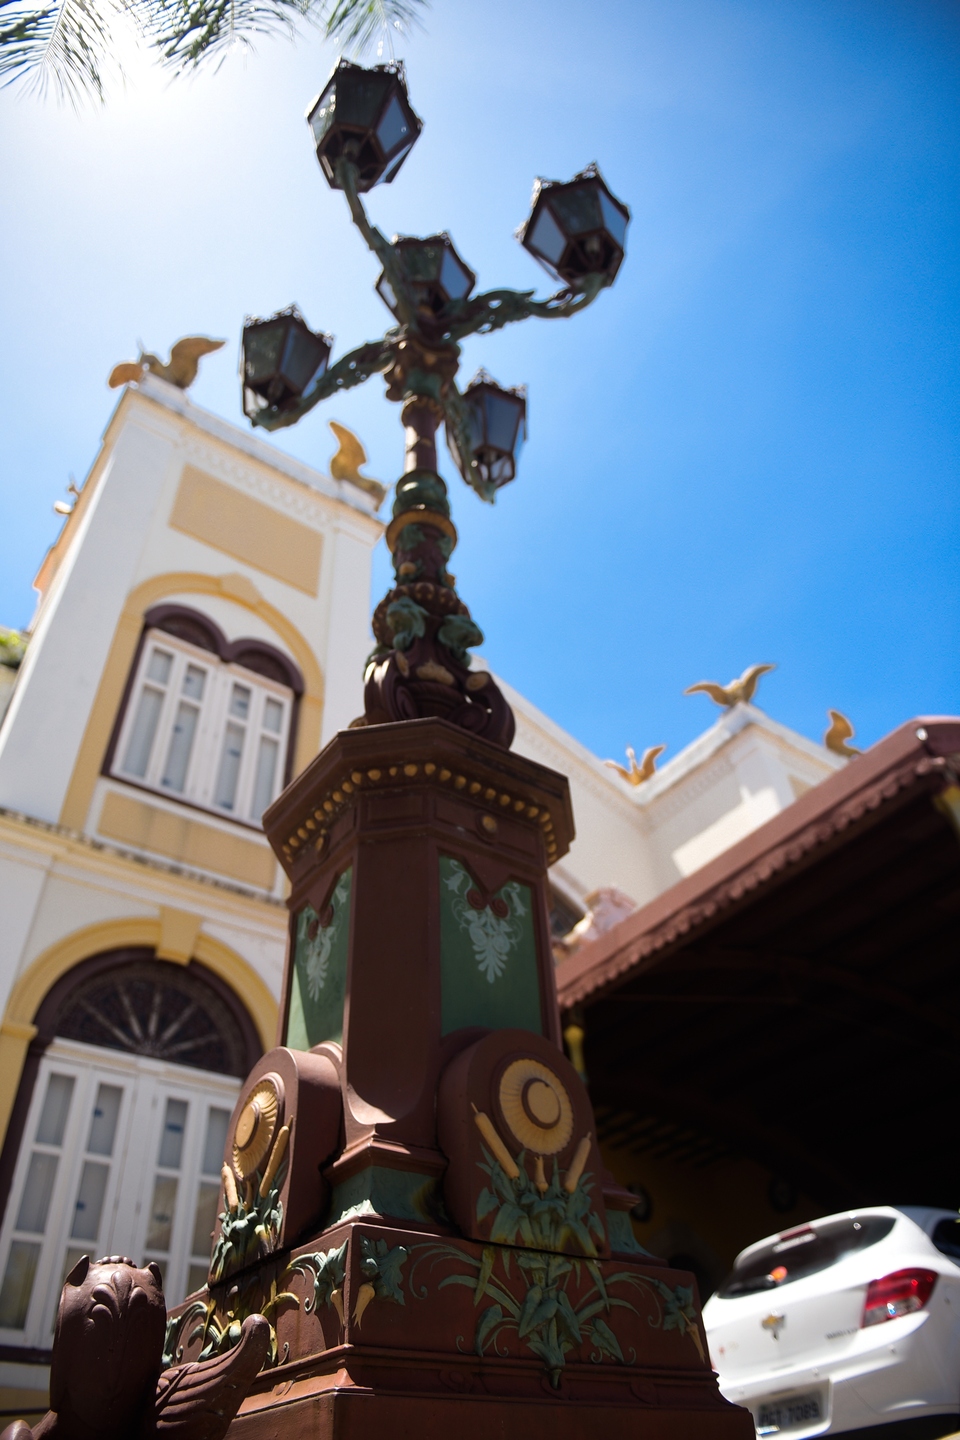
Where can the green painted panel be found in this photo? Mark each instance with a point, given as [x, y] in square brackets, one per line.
[488, 954]
[401, 1194]
[319, 982]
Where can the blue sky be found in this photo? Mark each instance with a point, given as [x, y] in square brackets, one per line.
[746, 451]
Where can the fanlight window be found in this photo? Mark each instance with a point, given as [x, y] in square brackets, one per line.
[199, 729]
[160, 1011]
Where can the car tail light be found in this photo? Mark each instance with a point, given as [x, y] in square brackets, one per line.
[898, 1294]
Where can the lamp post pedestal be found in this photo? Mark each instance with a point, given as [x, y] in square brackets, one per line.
[419, 1206]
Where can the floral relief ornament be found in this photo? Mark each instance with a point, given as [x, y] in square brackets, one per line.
[494, 929]
[315, 940]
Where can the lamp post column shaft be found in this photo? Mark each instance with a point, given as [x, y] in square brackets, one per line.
[421, 418]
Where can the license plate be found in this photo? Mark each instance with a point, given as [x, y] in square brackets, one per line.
[792, 1412]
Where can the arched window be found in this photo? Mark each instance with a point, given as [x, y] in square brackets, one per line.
[205, 720]
[148, 1008]
[119, 1130]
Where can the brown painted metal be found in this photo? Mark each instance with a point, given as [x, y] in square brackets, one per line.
[105, 1378]
[382, 1320]
[421, 418]
[409, 792]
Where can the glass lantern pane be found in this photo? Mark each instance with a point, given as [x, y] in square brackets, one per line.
[422, 262]
[546, 238]
[577, 209]
[323, 113]
[386, 293]
[394, 128]
[475, 415]
[261, 352]
[613, 218]
[503, 418]
[453, 277]
[360, 94]
[397, 162]
[303, 356]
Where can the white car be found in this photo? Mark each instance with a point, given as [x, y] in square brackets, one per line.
[845, 1324]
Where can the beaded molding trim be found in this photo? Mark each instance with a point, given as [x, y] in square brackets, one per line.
[313, 831]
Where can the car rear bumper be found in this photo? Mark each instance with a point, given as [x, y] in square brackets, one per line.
[895, 1378]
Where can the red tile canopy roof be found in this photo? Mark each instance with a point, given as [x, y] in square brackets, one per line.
[921, 754]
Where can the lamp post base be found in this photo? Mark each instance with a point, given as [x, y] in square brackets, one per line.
[409, 1332]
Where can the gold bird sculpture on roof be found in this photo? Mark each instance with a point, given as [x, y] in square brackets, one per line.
[345, 465]
[181, 370]
[839, 733]
[638, 773]
[738, 692]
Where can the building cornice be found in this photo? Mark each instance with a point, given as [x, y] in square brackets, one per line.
[158, 392]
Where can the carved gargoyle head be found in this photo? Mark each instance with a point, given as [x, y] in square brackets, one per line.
[107, 1346]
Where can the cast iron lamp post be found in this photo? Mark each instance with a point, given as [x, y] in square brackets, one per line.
[363, 128]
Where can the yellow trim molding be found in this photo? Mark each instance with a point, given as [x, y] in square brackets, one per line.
[178, 934]
[103, 712]
[178, 837]
[236, 524]
[18, 1029]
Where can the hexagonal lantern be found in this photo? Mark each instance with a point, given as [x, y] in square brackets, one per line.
[576, 229]
[498, 425]
[366, 115]
[434, 271]
[281, 356]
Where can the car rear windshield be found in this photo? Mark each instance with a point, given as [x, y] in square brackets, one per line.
[804, 1251]
[946, 1237]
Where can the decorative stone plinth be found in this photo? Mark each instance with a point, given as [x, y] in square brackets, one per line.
[414, 1197]
[389, 1330]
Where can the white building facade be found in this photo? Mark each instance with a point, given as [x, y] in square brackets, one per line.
[201, 631]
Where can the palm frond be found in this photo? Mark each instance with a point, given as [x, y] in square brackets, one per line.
[189, 31]
[65, 44]
[355, 24]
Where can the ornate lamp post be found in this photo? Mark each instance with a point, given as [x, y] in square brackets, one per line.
[417, 1233]
[414, 1195]
[364, 127]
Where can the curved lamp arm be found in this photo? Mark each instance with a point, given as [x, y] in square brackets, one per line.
[346, 177]
[353, 369]
[496, 308]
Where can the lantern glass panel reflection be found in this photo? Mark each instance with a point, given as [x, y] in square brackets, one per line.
[547, 238]
[394, 131]
[454, 277]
